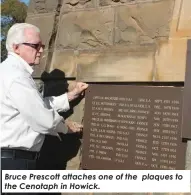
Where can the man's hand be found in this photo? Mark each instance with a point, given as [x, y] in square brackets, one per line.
[78, 90]
[73, 127]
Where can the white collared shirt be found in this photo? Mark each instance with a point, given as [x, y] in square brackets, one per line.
[25, 117]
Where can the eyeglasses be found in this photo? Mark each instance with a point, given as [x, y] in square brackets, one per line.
[36, 46]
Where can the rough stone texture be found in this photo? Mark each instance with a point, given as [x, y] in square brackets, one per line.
[115, 66]
[114, 2]
[185, 16]
[72, 5]
[171, 60]
[45, 24]
[42, 6]
[135, 25]
[64, 61]
[94, 38]
[175, 18]
[122, 2]
[180, 25]
[80, 30]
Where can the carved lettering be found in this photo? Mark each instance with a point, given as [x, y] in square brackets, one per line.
[141, 146]
[119, 161]
[141, 134]
[121, 155]
[142, 128]
[121, 144]
[121, 150]
[142, 140]
[140, 158]
[140, 152]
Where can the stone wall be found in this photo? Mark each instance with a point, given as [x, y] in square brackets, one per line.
[113, 40]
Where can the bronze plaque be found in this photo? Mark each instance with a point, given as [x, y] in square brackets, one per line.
[133, 127]
[186, 125]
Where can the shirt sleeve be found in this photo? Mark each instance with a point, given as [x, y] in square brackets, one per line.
[30, 104]
[59, 103]
[61, 128]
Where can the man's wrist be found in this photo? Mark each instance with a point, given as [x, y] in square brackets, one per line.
[71, 95]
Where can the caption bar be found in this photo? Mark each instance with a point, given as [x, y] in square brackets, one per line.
[95, 181]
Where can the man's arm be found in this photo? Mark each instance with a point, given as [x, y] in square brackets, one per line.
[58, 103]
[61, 103]
[30, 104]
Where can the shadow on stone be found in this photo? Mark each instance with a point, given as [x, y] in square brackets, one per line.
[55, 152]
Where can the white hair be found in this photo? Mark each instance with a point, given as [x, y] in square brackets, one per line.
[16, 34]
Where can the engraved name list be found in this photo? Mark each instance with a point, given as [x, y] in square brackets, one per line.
[133, 127]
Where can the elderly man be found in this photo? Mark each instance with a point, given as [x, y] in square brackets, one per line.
[24, 115]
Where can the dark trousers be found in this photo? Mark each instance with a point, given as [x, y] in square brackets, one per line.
[18, 164]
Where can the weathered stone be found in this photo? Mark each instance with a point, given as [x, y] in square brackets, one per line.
[43, 6]
[45, 24]
[185, 18]
[102, 49]
[72, 5]
[64, 61]
[115, 66]
[87, 29]
[181, 21]
[175, 18]
[116, 2]
[171, 60]
[135, 25]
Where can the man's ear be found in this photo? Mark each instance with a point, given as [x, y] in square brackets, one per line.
[16, 49]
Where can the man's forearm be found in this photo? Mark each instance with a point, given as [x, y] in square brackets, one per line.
[72, 95]
[59, 103]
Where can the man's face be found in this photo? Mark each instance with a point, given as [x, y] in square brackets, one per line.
[32, 49]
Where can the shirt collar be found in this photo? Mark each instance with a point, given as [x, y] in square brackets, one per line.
[24, 64]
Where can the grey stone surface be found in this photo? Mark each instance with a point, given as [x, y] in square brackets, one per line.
[72, 5]
[123, 2]
[43, 6]
[45, 22]
[86, 29]
[115, 65]
[89, 25]
[135, 25]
